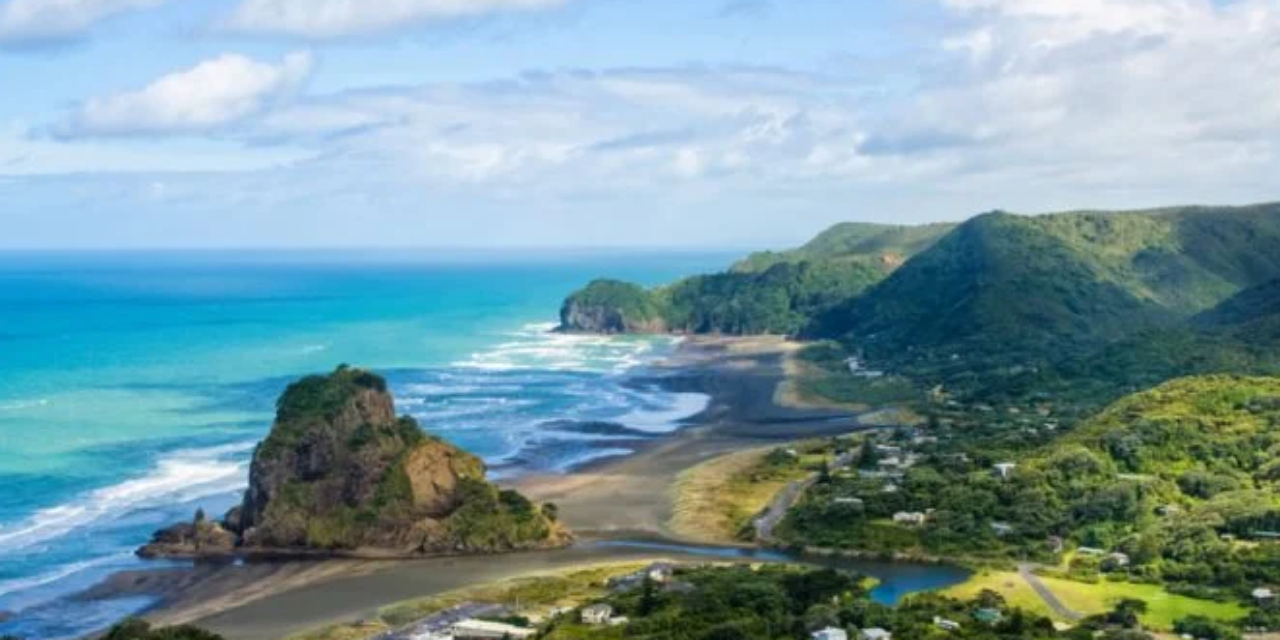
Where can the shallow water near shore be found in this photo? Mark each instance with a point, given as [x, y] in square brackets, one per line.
[135, 385]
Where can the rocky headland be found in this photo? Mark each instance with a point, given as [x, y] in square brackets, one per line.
[341, 474]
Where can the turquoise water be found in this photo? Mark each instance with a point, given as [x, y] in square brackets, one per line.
[134, 386]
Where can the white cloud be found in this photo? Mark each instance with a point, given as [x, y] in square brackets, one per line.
[25, 22]
[206, 97]
[339, 18]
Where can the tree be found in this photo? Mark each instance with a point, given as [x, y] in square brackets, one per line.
[989, 599]
[1128, 613]
[868, 458]
[648, 596]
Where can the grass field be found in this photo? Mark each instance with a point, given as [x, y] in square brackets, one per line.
[1163, 607]
[1009, 584]
[715, 501]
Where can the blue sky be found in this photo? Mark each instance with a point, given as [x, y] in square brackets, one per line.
[699, 123]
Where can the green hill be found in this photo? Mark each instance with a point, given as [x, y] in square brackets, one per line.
[1004, 292]
[777, 293]
[876, 245]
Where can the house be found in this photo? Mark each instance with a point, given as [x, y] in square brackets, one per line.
[987, 615]
[618, 621]
[660, 572]
[1001, 528]
[597, 614]
[910, 517]
[1091, 551]
[888, 450]
[1004, 469]
[486, 630]
[892, 462]
[1168, 510]
[890, 488]
[830, 633]
[874, 633]
[946, 625]
[1118, 559]
[852, 502]
[1264, 596]
[1056, 543]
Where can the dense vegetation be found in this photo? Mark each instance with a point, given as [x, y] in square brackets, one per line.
[136, 629]
[1076, 304]
[1181, 479]
[774, 293]
[885, 246]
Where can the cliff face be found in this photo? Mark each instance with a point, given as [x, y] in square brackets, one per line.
[340, 472]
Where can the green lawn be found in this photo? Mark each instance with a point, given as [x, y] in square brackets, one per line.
[1009, 584]
[1163, 607]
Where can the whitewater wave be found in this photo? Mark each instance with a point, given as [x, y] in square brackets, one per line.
[19, 405]
[537, 346]
[181, 476]
[679, 408]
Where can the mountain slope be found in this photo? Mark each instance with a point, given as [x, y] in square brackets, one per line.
[776, 293]
[1051, 286]
[876, 245]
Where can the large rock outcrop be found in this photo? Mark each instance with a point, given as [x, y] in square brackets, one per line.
[611, 307]
[339, 472]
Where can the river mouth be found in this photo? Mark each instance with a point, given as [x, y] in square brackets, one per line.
[896, 579]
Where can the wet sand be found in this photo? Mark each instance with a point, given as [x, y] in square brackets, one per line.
[611, 499]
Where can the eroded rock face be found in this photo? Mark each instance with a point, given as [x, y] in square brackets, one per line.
[611, 307]
[199, 538]
[581, 318]
[340, 472]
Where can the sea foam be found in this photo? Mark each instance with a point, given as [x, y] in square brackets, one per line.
[180, 476]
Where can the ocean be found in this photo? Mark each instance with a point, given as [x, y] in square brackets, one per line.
[133, 386]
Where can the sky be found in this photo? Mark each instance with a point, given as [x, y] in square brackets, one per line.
[615, 123]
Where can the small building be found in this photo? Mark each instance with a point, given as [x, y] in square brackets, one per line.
[486, 630]
[1091, 551]
[1168, 510]
[1005, 469]
[910, 517]
[988, 615]
[889, 488]
[1056, 543]
[1002, 528]
[853, 502]
[874, 633]
[892, 462]
[1118, 559]
[660, 572]
[597, 614]
[618, 621]
[946, 625]
[830, 633]
[1264, 596]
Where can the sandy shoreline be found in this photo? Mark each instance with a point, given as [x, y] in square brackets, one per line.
[610, 499]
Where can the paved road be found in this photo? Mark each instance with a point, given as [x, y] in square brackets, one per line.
[778, 507]
[1049, 597]
[788, 497]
